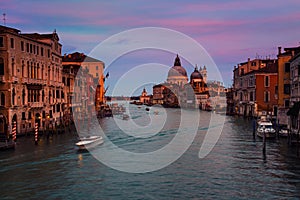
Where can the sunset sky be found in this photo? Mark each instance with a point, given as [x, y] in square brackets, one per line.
[229, 30]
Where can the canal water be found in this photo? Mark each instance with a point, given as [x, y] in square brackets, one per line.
[234, 169]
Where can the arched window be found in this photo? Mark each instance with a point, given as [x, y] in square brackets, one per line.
[43, 96]
[1, 66]
[23, 97]
[23, 68]
[13, 67]
[2, 99]
[13, 96]
[28, 69]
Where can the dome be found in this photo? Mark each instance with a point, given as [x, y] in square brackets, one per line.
[177, 69]
[196, 74]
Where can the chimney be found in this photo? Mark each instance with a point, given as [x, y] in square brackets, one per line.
[279, 50]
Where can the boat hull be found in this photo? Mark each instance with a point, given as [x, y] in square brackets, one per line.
[268, 134]
[89, 144]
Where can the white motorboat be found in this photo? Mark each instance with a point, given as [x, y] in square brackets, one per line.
[89, 142]
[265, 127]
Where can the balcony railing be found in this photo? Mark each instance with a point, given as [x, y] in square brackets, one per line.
[36, 104]
[24, 80]
[34, 81]
[15, 79]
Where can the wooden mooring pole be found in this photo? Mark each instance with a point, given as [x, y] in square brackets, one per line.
[254, 128]
[264, 144]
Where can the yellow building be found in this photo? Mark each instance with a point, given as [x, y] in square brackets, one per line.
[284, 86]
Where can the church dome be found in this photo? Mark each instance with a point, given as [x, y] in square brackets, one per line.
[196, 74]
[177, 69]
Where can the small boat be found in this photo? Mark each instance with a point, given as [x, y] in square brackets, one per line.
[89, 142]
[147, 109]
[265, 128]
[125, 117]
[155, 112]
[283, 132]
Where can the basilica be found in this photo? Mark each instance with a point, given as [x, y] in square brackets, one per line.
[178, 91]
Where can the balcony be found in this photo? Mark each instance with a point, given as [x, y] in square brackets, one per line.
[2, 78]
[24, 80]
[36, 104]
[15, 79]
[51, 83]
[34, 81]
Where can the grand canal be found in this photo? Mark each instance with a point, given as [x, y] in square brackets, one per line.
[235, 169]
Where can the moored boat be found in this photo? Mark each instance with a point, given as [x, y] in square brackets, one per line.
[265, 127]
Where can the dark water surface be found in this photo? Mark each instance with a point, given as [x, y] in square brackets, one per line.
[235, 169]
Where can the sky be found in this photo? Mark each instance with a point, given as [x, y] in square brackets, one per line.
[229, 30]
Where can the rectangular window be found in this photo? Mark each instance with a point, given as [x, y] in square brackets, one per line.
[34, 49]
[29, 115]
[286, 103]
[23, 116]
[1, 42]
[242, 71]
[267, 81]
[48, 53]
[58, 107]
[287, 88]
[30, 48]
[287, 67]
[276, 89]
[22, 46]
[42, 51]
[298, 70]
[241, 96]
[37, 50]
[1, 66]
[12, 43]
[251, 96]
[267, 96]
[27, 47]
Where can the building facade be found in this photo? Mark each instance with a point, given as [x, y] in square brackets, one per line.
[31, 87]
[178, 92]
[79, 69]
[254, 87]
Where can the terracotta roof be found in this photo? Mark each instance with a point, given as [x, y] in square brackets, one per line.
[270, 68]
[9, 29]
[78, 57]
[41, 36]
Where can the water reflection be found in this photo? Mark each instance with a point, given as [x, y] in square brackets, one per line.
[234, 169]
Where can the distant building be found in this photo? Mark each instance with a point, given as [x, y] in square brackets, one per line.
[90, 68]
[177, 91]
[217, 92]
[145, 98]
[31, 87]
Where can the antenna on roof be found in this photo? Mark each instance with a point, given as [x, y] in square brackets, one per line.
[4, 19]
